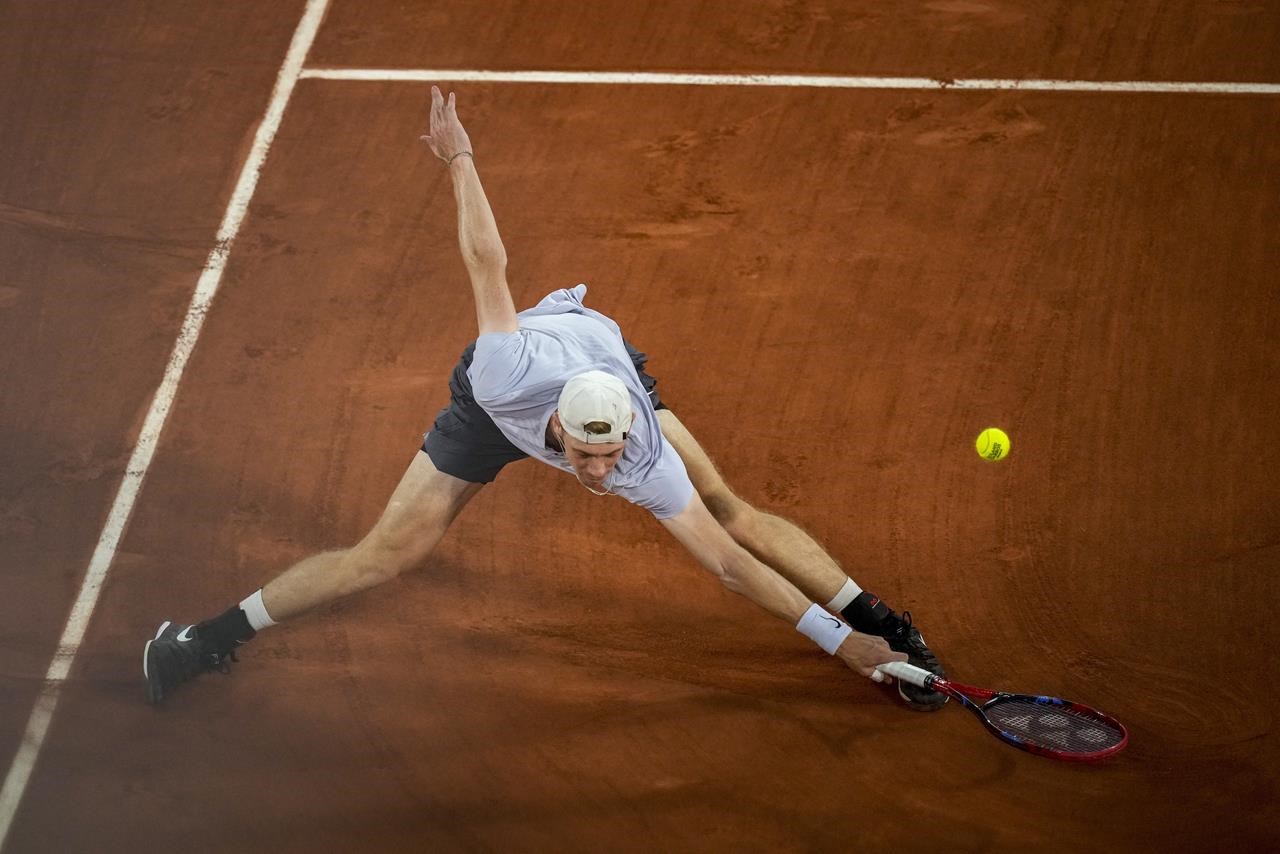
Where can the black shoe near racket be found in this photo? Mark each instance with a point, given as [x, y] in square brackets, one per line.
[870, 615]
[904, 637]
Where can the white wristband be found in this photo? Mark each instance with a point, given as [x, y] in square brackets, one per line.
[823, 629]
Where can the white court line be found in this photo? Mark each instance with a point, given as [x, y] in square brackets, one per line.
[643, 78]
[15, 782]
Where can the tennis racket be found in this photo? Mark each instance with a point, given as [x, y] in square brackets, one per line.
[1045, 726]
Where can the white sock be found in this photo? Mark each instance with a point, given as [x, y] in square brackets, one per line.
[256, 611]
[847, 594]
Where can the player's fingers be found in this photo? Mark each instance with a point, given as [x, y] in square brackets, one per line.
[875, 674]
[431, 143]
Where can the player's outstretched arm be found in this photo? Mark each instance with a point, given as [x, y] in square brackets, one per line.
[698, 531]
[482, 249]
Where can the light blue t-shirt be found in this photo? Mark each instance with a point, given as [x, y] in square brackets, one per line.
[517, 377]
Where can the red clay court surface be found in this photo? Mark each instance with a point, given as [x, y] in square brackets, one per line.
[838, 288]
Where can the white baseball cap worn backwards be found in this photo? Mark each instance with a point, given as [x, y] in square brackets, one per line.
[596, 396]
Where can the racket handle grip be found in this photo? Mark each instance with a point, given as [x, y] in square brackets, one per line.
[906, 672]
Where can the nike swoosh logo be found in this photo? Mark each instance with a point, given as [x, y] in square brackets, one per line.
[832, 619]
[185, 635]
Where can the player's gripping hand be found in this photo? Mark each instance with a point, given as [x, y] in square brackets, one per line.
[865, 652]
[447, 138]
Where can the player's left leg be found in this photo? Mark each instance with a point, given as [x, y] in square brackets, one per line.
[788, 550]
[777, 542]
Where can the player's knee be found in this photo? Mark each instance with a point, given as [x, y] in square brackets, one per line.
[728, 509]
[744, 523]
[381, 558]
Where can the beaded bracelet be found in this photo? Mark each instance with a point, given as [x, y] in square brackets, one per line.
[459, 154]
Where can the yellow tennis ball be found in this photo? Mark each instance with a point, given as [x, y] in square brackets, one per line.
[993, 444]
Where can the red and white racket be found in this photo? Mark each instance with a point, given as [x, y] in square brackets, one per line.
[1046, 726]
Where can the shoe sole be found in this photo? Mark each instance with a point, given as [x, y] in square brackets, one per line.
[154, 693]
[924, 707]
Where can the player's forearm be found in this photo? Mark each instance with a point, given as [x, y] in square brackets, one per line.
[745, 575]
[478, 238]
[755, 580]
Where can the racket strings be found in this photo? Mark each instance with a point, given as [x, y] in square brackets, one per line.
[1060, 728]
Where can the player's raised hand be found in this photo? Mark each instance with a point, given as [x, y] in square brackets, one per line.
[864, 652]
[447, 139]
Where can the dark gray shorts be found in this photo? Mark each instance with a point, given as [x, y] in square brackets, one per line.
[464, 441]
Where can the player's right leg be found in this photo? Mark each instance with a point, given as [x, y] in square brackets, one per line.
[463, 451]
[415, 519]
[420, 511]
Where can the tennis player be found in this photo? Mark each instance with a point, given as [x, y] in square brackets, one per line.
[558, 382]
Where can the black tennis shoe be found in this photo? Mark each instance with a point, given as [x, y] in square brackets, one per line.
[175, 655]
[904, 637]
[870, 615]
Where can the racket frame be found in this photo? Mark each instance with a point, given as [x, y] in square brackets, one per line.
[969, 696]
